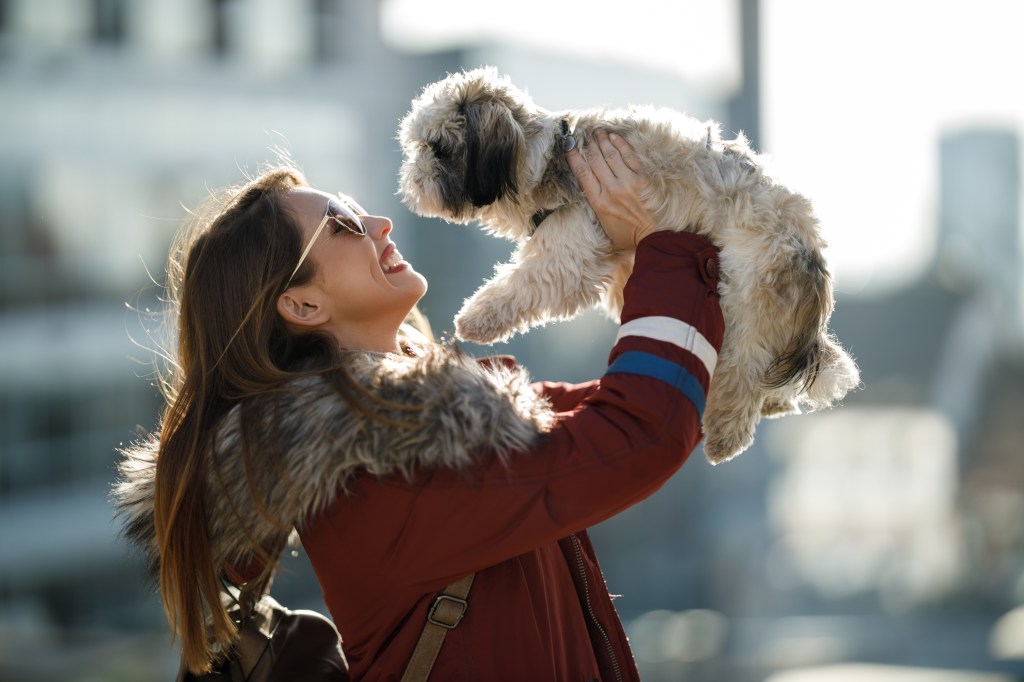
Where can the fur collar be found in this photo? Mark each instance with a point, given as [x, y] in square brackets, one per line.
[459, 408]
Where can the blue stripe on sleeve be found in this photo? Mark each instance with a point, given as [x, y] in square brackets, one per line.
[646, 364]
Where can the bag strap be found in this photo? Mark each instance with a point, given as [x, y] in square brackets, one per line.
[445, 613]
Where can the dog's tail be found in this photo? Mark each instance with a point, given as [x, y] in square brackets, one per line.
[813, 360]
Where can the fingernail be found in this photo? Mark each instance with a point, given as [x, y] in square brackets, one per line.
[568, 143]
[614, 136]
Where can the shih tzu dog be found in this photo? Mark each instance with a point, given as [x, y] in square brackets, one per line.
[477, 148]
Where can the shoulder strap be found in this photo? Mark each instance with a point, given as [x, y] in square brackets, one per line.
[445, 613]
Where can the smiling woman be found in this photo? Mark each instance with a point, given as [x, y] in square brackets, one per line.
[301, 397]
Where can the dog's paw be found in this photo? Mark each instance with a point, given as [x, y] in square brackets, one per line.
[721, 445]
[481, 328]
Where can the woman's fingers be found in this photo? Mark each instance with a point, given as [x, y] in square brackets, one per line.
[584, 174]
[613, 182]
[626, 154]
[599, 155]
[614, 161]
[603, 162]
[610, 154]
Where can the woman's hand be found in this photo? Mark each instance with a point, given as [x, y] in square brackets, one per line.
[613, 180]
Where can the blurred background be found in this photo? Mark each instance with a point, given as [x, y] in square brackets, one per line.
[881, 541]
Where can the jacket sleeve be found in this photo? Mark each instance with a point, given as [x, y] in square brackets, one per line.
[562, 396]
[565, 397]
[631, 432]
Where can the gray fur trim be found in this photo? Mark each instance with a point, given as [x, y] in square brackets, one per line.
[466, 410]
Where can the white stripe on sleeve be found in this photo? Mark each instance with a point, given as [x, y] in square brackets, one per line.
[676, 332]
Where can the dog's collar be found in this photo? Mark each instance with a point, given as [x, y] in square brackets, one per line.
[539, 217]
[567, 142]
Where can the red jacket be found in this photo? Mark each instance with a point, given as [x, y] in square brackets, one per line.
[539, 608]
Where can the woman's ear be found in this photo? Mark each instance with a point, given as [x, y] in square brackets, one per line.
[300, 310]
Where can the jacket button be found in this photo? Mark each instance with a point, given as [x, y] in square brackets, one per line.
[711, 267]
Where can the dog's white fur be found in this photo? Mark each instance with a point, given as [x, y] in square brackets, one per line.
[477, 148]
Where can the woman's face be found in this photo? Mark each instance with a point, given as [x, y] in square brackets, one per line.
[361, 282]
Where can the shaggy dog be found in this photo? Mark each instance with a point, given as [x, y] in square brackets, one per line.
[476, 148]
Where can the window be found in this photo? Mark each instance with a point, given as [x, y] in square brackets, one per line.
[108, 22]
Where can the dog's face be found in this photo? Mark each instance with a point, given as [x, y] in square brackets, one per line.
[463, 143]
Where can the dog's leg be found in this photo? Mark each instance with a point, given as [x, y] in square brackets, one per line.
[558, 272]
[734, 403]
[611, 300]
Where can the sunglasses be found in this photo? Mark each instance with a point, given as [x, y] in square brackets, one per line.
[343, 217]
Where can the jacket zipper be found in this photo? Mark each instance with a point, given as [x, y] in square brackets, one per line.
[590, 610]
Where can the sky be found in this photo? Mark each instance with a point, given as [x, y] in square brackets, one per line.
[855, 96]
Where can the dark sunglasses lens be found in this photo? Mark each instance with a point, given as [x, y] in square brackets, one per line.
[356, 226]
[346, 218]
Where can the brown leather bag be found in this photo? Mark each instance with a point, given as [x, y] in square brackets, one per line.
[277, 644]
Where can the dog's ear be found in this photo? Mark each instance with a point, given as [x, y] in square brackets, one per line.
[493, 144]
[450, 175]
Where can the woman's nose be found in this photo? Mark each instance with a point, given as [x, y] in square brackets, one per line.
[377, 226]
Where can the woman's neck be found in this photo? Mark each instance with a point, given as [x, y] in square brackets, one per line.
[380, 341]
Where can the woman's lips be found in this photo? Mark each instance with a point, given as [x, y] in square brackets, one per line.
[391, 260]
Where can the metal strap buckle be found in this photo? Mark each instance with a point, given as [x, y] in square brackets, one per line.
[461, 603]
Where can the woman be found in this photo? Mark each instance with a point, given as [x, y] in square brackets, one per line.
[299, 398]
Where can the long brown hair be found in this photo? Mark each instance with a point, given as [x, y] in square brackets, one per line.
[225, 272]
